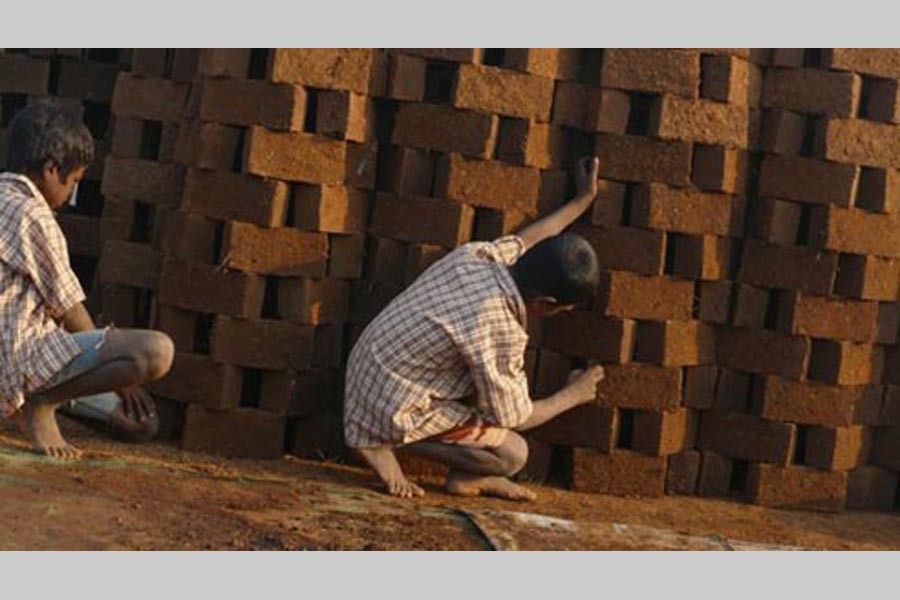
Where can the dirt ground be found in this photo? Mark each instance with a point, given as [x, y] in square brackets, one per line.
[158, 497]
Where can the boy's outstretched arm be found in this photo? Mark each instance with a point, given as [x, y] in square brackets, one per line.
[557, 221]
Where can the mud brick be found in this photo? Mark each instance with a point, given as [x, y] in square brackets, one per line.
[700, 386]
[746, 437]
[247, 102]
[555, 63]
[82, 234]
[683, 473]
[719, 169]
[419, 257]
[149, 62]
[640, 387]
[180, 325]
[488, 184]
[532, 144]
[872, 406]
[813, 91]
[196, 379]
[675, 343]
[797, 487]
[229, 196]
[714, 300]
[189, 237]
[808, 180]
[24, 75]
[495, 90]
[609, 203]
[620, 473]
[733, 390]
[788, 267]
[328, 345]
[223, 62]
[888, 323]
[881, 101]
[127, 137]
[638, 158]
[262, 343]
[152, 98]
[810, 403]
[492, 224]
[861, 142]
[626, 248]
[787, 57]
[881, 62]
[317, 437]
[208, 289]
[406, 80]
[782, 131]
[634, 296]
[855, 231]
[345, 115]
[586, 334]
[299, 394]
[128, 263]
[892, 365]
[208, 145]
[821, 317]
[664, 433]
[283, 251]
[843, 363]
[658, 206]
[715, 475]
[889, 411]
[240, 433]
[445, 129]
[360, 70]
[334, 209]
[652, 70]
[362, 164]
[584, 427]
[91, 81]
[838, 449]
[879, 190]
[551, 373]
[461, 55]
[537, 468]
[775, 221]
[703, 257]
[554, 190]
[730, 79]
[871, 488]
[586, 107]
[295, 156]
[406, 170]
[886, 448]
[763, 352]
[121, 306]
[142, 180]
[386, 260]
[701, 121]
[314, 301]
[421, 220]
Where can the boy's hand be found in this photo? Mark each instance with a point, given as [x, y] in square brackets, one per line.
[584, 383]
[137, 403]
[586, 176]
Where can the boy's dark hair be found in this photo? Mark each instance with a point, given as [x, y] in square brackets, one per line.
[564, 267]
[43, 131]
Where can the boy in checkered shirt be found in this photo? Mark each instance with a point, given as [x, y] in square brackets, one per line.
[52, 352]
[440, 372]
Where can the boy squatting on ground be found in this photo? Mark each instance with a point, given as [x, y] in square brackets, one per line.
[52, 353]
[440, 372]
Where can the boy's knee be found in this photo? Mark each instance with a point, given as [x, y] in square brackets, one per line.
[514, 453]
[155, 355]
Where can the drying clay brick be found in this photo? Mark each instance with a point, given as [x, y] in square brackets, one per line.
[360, 70]
[638, 158]
[813, 91]
[445, 129]
[421, 220]
[345, 115]
[701, 257]
[701, 121]
[775, 221]
[155, 99]
[788, 267]
[882, 62]
[854, 231]
[796, 487]
[746, 437]
[808, 180]
[700, 386]
[839, 449]
[208, 289]
[714, 300]
[407, 78]
[233, 197]
[782, 131]
[24, 75]
[247, 102]
[641, 387]
[334, 209]
[683, 473]
[821, 317]
[810, 403]
[129, 263]
[844, 363]
[495, 90]
[628, 295]
[196, 379]
[730, 79]
[282, 251]
[224, 62]
[620, 473]
[262, 343]
[719, 169]
[590, 335]
[652, 70]
[675, 343]
[879, 190]
[662, 207]
[763, 352]
[626, 248]
[240, 433]
[860, 142]
[871, 488]
[143, 181]
[295, 156]
[583, 427]
[664, 433]
[314, 301]
[488, 184]
[208, 145]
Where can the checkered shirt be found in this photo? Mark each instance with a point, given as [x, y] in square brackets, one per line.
[457, 333]
[37, 286]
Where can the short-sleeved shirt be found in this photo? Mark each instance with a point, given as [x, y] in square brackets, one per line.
[37, 286]
[449, 347]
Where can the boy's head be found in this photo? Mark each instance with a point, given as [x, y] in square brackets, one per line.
[557, 274]
[51, 147]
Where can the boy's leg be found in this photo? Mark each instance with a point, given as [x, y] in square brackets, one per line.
[384, 461]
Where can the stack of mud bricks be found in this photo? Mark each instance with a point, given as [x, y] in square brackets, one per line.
[245, 185]
[82, 81]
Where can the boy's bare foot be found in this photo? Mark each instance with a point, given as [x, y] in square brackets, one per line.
[385, 464]
[461, 483]
[43, 432]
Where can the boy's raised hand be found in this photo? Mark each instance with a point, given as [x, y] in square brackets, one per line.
[584, 383]
[586, 176]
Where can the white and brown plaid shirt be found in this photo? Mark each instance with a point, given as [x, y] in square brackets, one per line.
[457, 332]
[37, 286]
